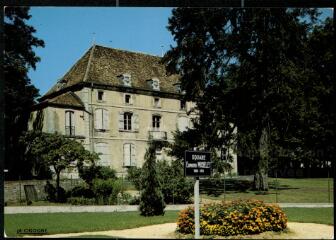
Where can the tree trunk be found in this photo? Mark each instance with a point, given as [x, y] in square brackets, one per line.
[261, 175]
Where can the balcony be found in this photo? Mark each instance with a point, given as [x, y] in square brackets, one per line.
[158, 135]
[70, 131]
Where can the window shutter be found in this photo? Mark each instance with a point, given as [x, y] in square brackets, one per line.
[133, 155]
[135, 123]
[131, 99]
[67, 119]
[127, 154]
[98, 119]
[121, 121]
[106, 119]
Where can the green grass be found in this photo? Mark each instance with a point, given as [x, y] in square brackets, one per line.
[310, 215]
[82, 222]
[89, 222]
[305, 190]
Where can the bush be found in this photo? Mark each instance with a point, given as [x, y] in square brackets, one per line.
[237, 217]
[81, 201]
[174, 186]
[80, 191]
[105, 173]
[134, 175]
[106, 191]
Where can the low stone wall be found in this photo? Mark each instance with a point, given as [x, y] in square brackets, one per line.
[14, 190]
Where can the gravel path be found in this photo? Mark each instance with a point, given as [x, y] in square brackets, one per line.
[167, 230]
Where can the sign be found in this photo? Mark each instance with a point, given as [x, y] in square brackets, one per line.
[197, 164]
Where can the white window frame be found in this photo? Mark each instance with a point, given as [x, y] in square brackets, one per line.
[128, 120]
[126, 79]
[157, 81]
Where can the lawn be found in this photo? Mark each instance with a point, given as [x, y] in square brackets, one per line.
[86, 222]
[289, 190]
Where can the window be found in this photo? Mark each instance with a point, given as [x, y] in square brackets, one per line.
[69, 123]
[128, 121]
[128, 99]
[156, 121]
[101, 119]
[154, 83]
[129, 155]
[183, 105]
[126, 79]
[100, 96]
[177, 87]
[157, 102]
[104, 155]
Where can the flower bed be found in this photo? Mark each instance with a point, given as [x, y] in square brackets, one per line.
[236, 217]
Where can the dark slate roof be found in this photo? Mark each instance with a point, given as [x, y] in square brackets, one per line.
[104, 65]
[67, 99]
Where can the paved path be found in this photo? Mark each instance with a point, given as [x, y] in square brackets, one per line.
[127, 208]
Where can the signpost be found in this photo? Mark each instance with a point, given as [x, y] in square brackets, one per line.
[197, 164]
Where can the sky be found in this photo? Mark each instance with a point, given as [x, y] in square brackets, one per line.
[68, 32]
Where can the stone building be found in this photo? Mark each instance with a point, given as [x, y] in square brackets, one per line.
[114, 101]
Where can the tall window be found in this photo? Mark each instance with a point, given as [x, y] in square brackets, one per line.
[100, 96]
[156, 122]
[129, 155]
[104, 155]
[69, 123]
[101, 119]
[128, 121]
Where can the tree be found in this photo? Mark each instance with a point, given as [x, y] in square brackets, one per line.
[19, 93]
[60, 153]
[151, 198]
[243, 68]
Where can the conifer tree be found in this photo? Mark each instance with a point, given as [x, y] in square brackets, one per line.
[151, 198]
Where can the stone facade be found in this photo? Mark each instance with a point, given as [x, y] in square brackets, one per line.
[117, 117]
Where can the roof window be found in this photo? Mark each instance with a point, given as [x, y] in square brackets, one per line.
[126, 79]
[154, 83]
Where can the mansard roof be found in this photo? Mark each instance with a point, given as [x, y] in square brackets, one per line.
[103, 65]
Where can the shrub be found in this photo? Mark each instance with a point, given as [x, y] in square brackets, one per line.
[80, 191]
[174, 186]
[102, 190]
[237, 217]
[81, 201]
[134, 175]
[105, 173]
[151, 198]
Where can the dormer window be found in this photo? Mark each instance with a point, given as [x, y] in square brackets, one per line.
[126, 79]
[154, 83]
[177, 87]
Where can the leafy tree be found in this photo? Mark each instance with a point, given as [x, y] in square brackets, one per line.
[175, 186]
[19, 93]
[151, 198]
[60, 153]
[244, 69]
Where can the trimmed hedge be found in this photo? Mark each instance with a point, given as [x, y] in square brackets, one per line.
[237, 217]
